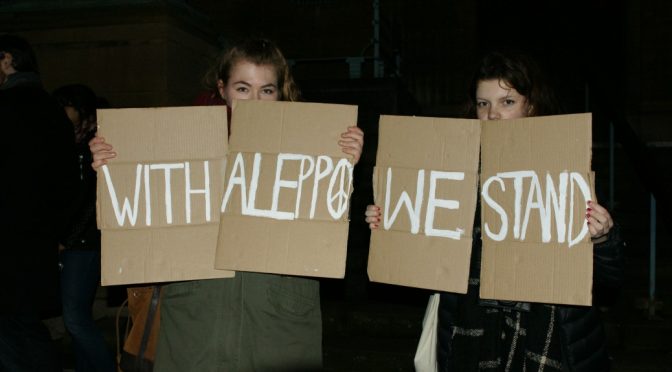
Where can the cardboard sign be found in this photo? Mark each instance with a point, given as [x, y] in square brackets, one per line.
[535, 181]
[286, 203]
[426, 182]
[159, 199]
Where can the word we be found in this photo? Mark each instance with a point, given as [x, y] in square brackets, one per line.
[552, 206]
[414, 209]
[311, 171]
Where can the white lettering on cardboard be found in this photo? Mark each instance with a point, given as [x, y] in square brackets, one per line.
[251, 209]
[148, 199]
[338, 191]
[237, 177]
[188, 191]
[434, 203]
[577, 179]
[142, 177]
[414, 209]
[555, 204]
[320, 173]
[404, 200]
[168, 194]
[498, 208]
[342, 172]
[279, 182]
[126, 210]
[303, 175]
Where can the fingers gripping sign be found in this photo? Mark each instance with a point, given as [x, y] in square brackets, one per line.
[372, 216]
[599, 221]
[101, 152]
[352, 143]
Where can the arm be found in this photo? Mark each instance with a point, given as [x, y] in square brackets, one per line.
[608, 260]
[608, 250]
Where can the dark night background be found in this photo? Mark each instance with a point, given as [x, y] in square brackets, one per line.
[611, 58]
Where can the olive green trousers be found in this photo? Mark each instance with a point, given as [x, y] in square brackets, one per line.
[252, 322]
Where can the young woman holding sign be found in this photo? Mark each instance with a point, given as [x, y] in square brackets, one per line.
[254, 321]
[476, 335]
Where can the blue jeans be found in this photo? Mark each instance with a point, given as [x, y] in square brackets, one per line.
[80, 276]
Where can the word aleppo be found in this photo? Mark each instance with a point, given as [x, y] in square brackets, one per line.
[320, 168]
[556, 205]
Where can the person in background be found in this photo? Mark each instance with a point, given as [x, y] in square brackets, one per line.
[80, 244]
[34, 195]
[254, 321]
[486, 335]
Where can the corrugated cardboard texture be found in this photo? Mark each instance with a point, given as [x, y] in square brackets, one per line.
[162, 245]
[407, 145]
[304, 244]
[527, 268]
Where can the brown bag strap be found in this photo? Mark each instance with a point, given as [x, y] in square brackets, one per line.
[117, 329]
[153, 305]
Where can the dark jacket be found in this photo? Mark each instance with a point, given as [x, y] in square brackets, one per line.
[81, 232]
[582, 335]
[584, 340]
[38, 172]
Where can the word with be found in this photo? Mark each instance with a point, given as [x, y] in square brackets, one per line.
[319, 168]
[129, 210]
[553, 205]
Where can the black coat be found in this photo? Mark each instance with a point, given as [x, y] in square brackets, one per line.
[582, 335]
[82, 233]
[38, 168]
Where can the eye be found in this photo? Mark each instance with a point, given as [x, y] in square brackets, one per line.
[480, 104]
[509, 102]
[242, 89]
[268, 91]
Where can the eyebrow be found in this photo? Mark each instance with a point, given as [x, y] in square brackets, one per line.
[511, 95]
[242, 82]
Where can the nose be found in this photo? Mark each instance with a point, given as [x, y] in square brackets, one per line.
[493, 114]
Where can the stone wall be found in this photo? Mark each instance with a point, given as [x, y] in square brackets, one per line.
[136, 55]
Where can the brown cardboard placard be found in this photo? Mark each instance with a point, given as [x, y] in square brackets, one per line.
[535, 181]
[286, 203]
[425, 182]
[158, 200]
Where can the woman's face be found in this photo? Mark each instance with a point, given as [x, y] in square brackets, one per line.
[496, 100]
[250, 81]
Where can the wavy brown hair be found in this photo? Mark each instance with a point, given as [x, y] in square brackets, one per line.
[259, 51]
[520, 72]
